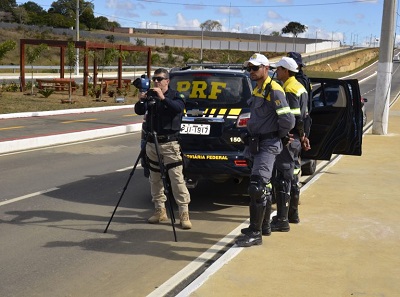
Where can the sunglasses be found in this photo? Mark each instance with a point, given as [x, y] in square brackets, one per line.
[158, 78]
[254, 68]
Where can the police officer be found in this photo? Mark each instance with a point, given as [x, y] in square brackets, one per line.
[285, 176]
[270, 121]
[164, 109]
[295, 188]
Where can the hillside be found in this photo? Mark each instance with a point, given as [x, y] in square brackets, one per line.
[174, 56]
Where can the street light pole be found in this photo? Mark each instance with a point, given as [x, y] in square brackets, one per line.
[201, 51]
[385, 67]
[259, 42]
[77, 37]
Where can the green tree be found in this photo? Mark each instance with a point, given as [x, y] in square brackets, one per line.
[275, 33]
[6, 46]
[186, 57]
[210, 25]
[20, 15]
[155, 58]
[7, 5]
[71, 62]
[32, 54]
[110, 38]
[36, 14]
[60, 21]
[171, 58]
[294, 28]
[105, 57]
[101, 23]
[139, 42]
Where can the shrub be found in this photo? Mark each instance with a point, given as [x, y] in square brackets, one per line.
[46, 92]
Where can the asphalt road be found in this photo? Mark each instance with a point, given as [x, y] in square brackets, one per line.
[55, 204]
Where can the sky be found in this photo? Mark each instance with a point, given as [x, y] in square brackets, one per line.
[356, 22]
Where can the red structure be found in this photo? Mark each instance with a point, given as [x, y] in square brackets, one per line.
[86, 46]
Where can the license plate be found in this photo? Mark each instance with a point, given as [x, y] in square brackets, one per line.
[196, 129]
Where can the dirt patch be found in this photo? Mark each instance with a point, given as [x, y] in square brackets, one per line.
[347, 62]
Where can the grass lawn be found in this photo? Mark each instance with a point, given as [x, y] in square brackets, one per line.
[14, 102]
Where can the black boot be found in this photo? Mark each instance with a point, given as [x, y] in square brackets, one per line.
[266, 225]
[253, 237]
[281, 224]
[293, 214]
[251, 225]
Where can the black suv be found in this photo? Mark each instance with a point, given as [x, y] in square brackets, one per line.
[217, 113]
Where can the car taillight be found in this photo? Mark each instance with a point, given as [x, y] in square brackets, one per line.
[242, 120]
[240, 163]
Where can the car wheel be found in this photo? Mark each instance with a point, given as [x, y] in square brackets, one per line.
[309, 167]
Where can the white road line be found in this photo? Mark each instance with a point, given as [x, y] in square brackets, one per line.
[128, 168]
[201, 260]
[27, 196]
[196, 264]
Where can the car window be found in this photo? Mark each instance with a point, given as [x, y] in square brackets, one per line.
[329, 96]
[211, 89]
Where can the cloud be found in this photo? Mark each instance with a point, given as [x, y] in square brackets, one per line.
[193, 7]
[345, 22]
[360, 16]
[273, 15]
[158, 12]
[232, 11]
[182, 23]
[120, 5]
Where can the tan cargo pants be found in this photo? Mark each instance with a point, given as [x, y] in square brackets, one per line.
[170, 153]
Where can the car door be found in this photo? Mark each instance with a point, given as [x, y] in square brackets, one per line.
[336, 119]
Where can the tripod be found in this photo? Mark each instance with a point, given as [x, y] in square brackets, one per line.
[164, 177]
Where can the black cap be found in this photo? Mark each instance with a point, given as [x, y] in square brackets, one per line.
[297, 57]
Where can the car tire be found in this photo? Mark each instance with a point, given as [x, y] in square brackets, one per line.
[309, 168]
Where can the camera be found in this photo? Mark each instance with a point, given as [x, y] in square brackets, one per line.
[142, 83]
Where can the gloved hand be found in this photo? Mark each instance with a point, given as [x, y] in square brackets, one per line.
[287, 139]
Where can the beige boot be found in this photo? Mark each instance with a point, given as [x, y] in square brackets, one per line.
[185, 222]
[160, 214]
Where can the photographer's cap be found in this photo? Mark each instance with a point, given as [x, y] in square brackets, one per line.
[287, 63]
[257, 60]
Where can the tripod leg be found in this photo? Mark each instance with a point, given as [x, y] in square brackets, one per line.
[126, 186]
[167, 187]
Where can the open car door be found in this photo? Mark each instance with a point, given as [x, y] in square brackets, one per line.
[336, 119]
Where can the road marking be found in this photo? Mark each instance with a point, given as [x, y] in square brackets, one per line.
[130, 115]
[75, 121]
[12, 128]
[127, 168]
[27, 196]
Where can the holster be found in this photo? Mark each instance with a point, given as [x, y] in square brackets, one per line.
[254, 144]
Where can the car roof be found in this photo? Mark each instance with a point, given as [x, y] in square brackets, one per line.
[209, 68]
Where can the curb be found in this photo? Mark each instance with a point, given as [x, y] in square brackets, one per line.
[19, 145]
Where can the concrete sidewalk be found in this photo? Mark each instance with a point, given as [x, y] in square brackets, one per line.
[348, 241]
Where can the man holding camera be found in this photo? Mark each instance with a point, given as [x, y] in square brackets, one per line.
[164, 109]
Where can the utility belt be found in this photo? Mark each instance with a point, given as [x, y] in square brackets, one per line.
[163, 138]
[269, 135]
[254, 141]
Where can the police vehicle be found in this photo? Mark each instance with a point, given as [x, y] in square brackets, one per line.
[217, 113]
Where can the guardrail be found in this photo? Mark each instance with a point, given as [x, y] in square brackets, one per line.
[56, 69]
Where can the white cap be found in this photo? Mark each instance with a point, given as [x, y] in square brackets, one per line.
[288, 63]
[256, 60]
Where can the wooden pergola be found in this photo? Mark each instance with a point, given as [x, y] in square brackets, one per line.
[86, 46]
